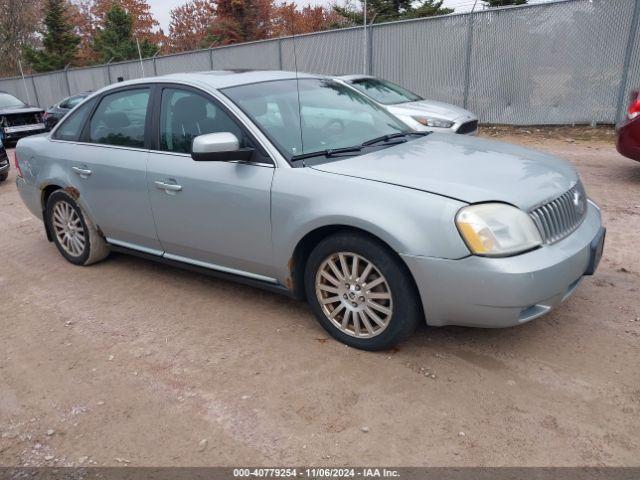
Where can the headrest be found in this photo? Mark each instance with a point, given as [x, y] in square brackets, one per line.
[189, 109]
[116, 120]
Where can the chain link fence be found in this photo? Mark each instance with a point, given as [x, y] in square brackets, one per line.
[563, 62]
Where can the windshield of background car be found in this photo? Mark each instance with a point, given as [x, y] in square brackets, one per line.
[384, 92]
[312, 115]
[73, 101]
[8, 101]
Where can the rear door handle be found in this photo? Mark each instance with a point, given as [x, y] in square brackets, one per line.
[83, 172]
[168, 187]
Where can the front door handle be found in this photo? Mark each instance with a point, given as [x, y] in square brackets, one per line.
[83, 172]
[168, 187]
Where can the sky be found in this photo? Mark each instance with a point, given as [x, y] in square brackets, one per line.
[161, 8]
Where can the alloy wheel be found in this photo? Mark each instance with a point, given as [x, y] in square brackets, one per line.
[68, 228]
[354, 295]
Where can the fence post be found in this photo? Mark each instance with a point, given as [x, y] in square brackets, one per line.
[155, 69]
[35, 90]
[66, 77]
[467, 60]
[109, 70]
[211, 56]
[280, 53]
[633, 29]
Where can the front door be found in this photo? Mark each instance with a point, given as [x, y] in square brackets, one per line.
[213, 214]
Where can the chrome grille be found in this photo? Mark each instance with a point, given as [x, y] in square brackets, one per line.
[560, 217]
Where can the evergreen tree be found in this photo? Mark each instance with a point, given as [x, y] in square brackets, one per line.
[115, 41]
[59, 40]
[389, 10]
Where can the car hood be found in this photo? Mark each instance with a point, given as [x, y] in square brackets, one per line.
[14, 110]
[445, 111]
[465, 168]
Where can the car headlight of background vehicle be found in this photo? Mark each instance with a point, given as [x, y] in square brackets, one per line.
[497, 229]
[433, 122]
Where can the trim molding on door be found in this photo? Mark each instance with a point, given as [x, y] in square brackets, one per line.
[190, 261]
[220, 268]
[133, 246]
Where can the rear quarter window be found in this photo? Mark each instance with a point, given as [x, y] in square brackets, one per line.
[71, 126]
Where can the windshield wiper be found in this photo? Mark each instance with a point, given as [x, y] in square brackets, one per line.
[384, 138]
[330, 152]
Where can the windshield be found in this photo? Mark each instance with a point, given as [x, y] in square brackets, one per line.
[7, 101]
[328, 116]
[384, 92]
[73, 101]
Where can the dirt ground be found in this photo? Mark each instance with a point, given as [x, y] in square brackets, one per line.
[129, 362]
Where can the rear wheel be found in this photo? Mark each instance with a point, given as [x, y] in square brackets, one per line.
[360, 292]
[73, 232]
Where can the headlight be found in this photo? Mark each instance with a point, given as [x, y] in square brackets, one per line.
[433, 122]
[497, 229]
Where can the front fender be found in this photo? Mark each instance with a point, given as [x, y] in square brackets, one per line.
[410, 221]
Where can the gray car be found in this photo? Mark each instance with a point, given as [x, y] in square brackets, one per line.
[301, 185]
[418, 113]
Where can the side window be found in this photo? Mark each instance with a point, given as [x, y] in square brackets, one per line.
[71, 126]
[120, 119]
[185, 115]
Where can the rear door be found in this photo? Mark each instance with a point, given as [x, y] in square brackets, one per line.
[109, 168]
[212, 214]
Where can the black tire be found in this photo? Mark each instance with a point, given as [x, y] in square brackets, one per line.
[95, 248]
[405, 304]
[4, 176]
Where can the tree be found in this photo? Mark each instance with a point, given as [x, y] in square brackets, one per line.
[115, 40]
[19, 21]
[241, 21]
[143, 24]
[503, 3]
[289, 20]
[59, 41]
[389, 10]
[80, 15]
[190, 24]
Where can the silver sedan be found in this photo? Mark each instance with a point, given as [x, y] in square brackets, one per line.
[302, 185]
[416, 112]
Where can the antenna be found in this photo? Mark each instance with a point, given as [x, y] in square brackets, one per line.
[295, 66]
[364, 50]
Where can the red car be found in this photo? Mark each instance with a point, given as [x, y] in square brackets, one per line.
[628, 131]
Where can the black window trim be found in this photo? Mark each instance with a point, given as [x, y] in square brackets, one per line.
[154, 136]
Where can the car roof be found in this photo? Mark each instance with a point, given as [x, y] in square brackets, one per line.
[219, 79]
[349, 78]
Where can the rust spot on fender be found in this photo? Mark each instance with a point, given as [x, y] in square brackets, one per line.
[73, 191]
[289, 280]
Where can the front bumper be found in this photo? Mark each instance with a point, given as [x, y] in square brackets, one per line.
[502, 292]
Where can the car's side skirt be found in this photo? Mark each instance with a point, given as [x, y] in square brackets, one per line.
[208, 269]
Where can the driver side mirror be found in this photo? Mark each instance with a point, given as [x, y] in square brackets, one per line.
[219, 147]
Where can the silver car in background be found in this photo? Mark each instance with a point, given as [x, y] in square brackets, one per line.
[301, 185]
[418, 113]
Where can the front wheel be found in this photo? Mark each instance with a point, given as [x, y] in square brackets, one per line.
[4, 176]
[75, 235]
[360, 292]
